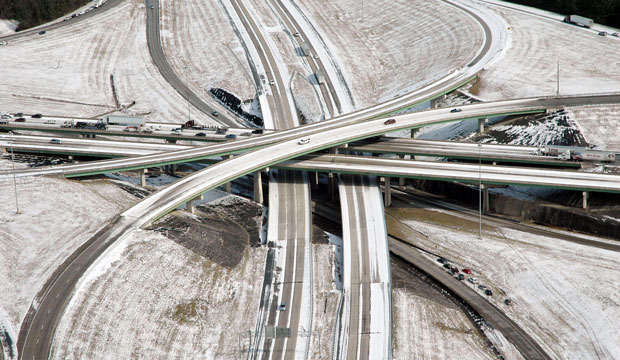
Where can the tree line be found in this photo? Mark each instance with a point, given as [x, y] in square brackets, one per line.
[606, 12]
[31, 13]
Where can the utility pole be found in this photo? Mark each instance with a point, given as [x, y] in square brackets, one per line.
[14, 179]
[479, 192]
[557, 92]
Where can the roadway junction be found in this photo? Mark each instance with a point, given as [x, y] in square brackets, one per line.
[294, 147]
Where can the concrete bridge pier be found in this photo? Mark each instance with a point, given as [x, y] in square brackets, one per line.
[314, 179]
[258, 187]
[143, 177]
[401, 181]
[485, 198]
[387, 194]
[481, 123]
[435, 101]
[414, 132]
[228, 183]
[585, 195]
[190, 207]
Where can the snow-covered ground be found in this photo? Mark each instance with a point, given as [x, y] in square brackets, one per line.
[600, 125]
[564, 294]
[588, 63]
[388, 49]
[198, 34]
[152, 298]
[56, 217]
[8, 27]
[66, 72]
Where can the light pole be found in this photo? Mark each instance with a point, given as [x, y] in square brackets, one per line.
[14, 179]
[479, 192]
[187, 95]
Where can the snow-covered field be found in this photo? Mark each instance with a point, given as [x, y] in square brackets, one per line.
[153, 298]
[56, 217]
[599, 125]
[565, 294]
[588, 62]
[198, 34]
[66, 72]
[387, 49]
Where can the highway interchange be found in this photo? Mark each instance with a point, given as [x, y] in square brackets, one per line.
[291, 189]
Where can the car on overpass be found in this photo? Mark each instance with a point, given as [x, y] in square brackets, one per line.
[303, 141]
[455, 110]
[389, 122]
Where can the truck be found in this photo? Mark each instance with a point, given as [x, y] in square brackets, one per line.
[320, 77]
[99, 125]
[593, 155]
[68, 124]
[123, 120]
[579, 20]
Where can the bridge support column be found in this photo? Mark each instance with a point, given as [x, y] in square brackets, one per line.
[387, 194]
[314, 179]
[414, 132]
[331, 185]
[485, 198]
[171, 141]
[143, 177]
[70, 157]
[481, 123]
[401, 181]
[258, 187]
[228, 183]
[585, 195]
[190, 207]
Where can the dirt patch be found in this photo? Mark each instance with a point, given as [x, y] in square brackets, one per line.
[243, 213]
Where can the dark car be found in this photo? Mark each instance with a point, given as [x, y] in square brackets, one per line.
[231, 136]
[41, 32]
[454, 270]
[447, 266]
[460, 277]
[603, 33]
[508, 302]
[21, 119]
[201, 134]
[214, 113]
[441, 260]
[56, 141]
[19, 114]
[257, 131]
[455, 110]
[389, 122]
[488, 292]
[37, 116]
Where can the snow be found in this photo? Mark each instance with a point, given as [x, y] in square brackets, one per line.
[197, 34]
[158, 298]
[538, 43]
[424, 329]
[7, 27]
[599, 124]
[382, 49]
[564, 294]
[70, 74]
[56, 217]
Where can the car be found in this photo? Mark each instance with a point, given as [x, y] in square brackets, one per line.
[214, 113]
[296, 33]
[177, 131]
[21, 119]
[230, 136]
[282, 307]
[482, 287]
[460, 277]
[50, 121]
[56, 141]
[508, 302]
[37, 116]
[131, 128]
[472, 280]
[454, 270]
[447, 266]
[455, 110]
[74, 15]
[147, 130]
[467, 271]
[488, 292]
[272, 82]
[42, 32]
[245, 134]
[3, 42]
[441, 260]
[257, 131]
[303, 141]
[389, 122]
[152, 6]
[19, 114]
[602, 33]
[5, 117]
[200, 134]
[612, 34]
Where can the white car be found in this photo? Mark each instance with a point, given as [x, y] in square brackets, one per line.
[272, 82]
[3, 42]
[472, 280]
[303, 141]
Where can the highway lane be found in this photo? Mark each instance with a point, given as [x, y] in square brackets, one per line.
[344, 132]
[525, 344]
[159, 59]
